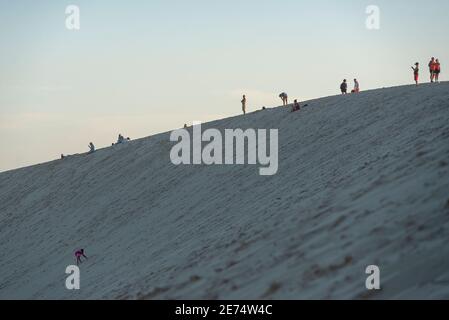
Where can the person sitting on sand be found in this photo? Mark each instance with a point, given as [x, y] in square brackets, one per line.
[91, 148]
[121, 139]
[296, 106]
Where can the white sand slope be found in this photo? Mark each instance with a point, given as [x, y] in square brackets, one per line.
[363, 179]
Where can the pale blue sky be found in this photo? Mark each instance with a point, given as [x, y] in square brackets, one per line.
[142, 67]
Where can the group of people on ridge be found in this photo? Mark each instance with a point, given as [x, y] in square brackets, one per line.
[284, 98]
[434, 69]
[121, 139]
[344, 87]
[296, 106]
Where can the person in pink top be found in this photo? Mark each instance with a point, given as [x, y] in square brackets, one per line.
[78, 255]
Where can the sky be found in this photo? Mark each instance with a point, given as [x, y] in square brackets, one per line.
[142, 67]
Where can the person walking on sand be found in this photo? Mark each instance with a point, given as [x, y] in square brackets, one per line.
[432, 69]
[244, 104]
[344, 87]
[416, 73]
[437, 70]
[284, 98]
[78, 255]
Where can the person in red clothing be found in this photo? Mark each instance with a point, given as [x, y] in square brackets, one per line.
[432, 69]
[78, 255]
[437, 70]
[356, 86]
[416, 73]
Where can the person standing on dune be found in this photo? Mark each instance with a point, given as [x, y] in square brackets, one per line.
[356, 86]
[344, 87]
[437, 70]
[416, 73]
[432, 69]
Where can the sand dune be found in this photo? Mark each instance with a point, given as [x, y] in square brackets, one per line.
[363, 179]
